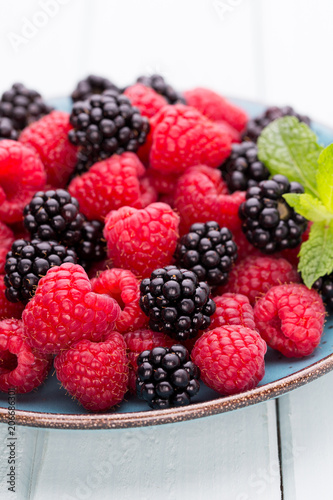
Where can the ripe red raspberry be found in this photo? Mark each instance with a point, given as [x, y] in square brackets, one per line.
[21, 175]
[95, 373]
[163, 183]
[235, 136]
[216, 107]
[7, 238]
[149, 193]
[109, 185]
[183, 137]
[244, 247]
[202, 195]
[139, 341]
[65, 310]
[8, 309]
[123, 287]
[49, 138]
[231, 358]
[142, 240]
[146, 99]
[291, 319]
[254, 276]
[232, 309]
[21, 368]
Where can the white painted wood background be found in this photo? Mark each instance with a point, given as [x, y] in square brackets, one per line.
[274, 51]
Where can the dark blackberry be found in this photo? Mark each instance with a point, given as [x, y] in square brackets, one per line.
[92, 246]
[209, 251]
[104, 125]
[324, 286]
[28, 262]
[160, 86]
[176, 302]
[269, 223]
[243, 169]
[256, 125]
[54, 215]
[167, 377]
[93, 84]
[23, 106]
[7, 131]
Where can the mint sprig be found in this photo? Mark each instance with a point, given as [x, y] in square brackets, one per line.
[290, 148]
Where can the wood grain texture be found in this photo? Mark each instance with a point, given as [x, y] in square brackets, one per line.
[307, 440]
[232, 456]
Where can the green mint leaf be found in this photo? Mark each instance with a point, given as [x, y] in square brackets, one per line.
[316, 255]
[325, 177]
[310, 207]
[289, 147]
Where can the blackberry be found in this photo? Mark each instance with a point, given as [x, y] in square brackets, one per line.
[93, 84]
[256, 125]
[92, 246]
[104, 125]
[176, 302]
[166, 377]
[160, 86]
[243, 169]
[209, 251]
[269, 223]
[54, 215]
[324, 286]
[7, 131]
[28, 262]
[23, 106]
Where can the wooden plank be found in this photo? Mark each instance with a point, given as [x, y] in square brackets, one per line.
[307, 440]
[232, 456]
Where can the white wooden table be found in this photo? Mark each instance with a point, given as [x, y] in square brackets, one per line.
[277, 450]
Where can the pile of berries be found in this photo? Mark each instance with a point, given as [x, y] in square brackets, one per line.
[152, 192]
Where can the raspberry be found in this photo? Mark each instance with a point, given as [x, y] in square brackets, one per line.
[93, 84]
[254, 276]
[231, 131]
[109, 185]
[162, 182]
[201, 195]
[138, 341]
[64, 310]
[216, 107]
[269, 223]
[167, 377]
[183, 137]
[145, 99]
[291, 319]
[6, 240]
[21, 368]
[49, 138]
[209, 251]
[123, 287]
[230, 358]
[21, 175]
[8, 309]
[160, 86]
[232, 309]
[96, 374]
[176, 302]
[141, 240]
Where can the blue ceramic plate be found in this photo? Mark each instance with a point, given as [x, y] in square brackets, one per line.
[50, 406]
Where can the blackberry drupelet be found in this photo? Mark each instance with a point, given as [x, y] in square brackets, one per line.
[23, 106]
[104, 125]
[54, 215]
[176, 302]
[7, 130]
[324, 286]
[28, 262]
[93, 84]
[92, 245]
[243, 169]
[209, 251]
[160, 86]
[256, 125]
[166, 377]
[269, 223]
